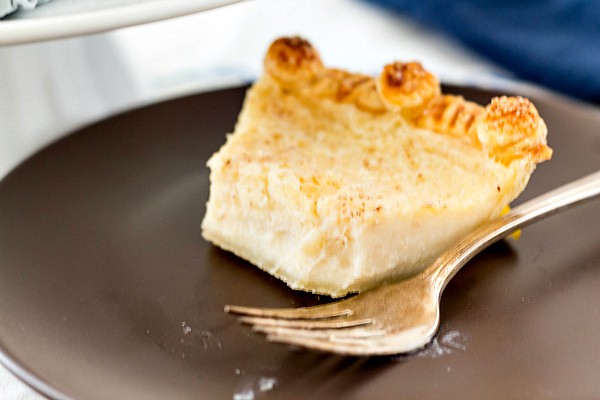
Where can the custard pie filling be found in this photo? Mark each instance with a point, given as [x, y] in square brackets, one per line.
[335, 182]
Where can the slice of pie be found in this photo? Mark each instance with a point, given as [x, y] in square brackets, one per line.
[335, 181]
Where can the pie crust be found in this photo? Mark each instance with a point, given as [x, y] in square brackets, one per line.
[335, 181]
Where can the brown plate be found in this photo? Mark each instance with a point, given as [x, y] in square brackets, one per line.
[108, 291]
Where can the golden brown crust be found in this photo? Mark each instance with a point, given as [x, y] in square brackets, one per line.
[407, 86]
[352, 88]
[509, 128]
[451, 115]
[293, 62]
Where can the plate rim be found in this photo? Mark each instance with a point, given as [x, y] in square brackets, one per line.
[22, 31]
[28, 377]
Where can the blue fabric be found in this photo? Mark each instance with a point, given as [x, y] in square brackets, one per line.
[555, 43]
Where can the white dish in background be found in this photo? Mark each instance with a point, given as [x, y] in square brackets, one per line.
[66, 18]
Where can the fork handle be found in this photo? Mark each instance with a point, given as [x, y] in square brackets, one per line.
[550, 203]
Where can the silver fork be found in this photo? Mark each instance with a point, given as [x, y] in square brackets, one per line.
[401, 317]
